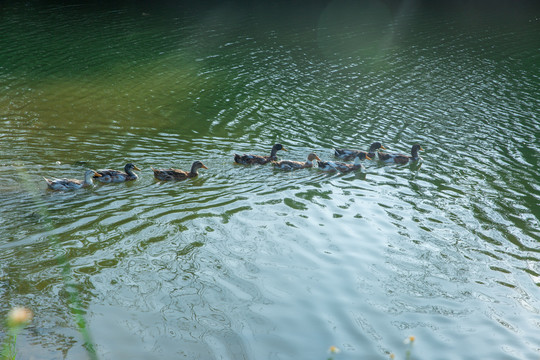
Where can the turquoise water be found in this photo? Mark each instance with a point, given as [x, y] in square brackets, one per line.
[252, 262]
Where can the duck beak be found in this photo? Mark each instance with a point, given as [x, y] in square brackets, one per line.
[421, 149]
[316, 157]
[204, 166]
[97, 174]
[367, 157]
[136, 168]
[284, 149]
[382, 147]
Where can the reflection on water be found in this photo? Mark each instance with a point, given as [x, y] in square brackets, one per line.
[250, 261]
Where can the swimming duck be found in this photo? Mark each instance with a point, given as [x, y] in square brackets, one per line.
[249, 159]
[349, 154]
[292, 165]
[177, 174]
[401, 158]
[341, 167]
[328, 166]
[108, 175]
[72, 184]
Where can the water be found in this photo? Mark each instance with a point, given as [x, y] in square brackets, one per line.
[251, 262]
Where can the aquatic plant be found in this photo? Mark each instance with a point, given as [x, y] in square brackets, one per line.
[16, 320]
[410, 342]
[333, 350]
[70, 283]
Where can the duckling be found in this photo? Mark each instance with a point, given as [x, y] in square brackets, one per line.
[108, 175]
[249, 159]
[330, 166]
[349, 154]
[72, 184]
[401, 158]
[292, 165]
[177, 174]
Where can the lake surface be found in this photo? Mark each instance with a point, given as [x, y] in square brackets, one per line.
[249, 262]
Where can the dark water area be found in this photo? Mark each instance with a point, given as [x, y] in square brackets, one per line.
[250, 262]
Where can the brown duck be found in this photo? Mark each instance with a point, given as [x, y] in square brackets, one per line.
[292, 165]
[249, 159]
[401, 158]
[72, 184]
[331, 166]
[349, 154]
[177, 174]
[109, 175]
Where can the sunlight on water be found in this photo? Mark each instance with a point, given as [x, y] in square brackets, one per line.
[252, 261]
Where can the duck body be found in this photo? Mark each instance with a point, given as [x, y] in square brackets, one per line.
[331, 166]
[401, 158]
[177, 174]
[349, 154]
[328, 166]
[115, 176]
[72, 184]
[294, 165]
[250, 159]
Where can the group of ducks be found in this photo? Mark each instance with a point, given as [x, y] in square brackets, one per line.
[115, 176]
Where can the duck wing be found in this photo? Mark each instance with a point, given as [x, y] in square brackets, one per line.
[327, 165]
[109, 175]
[396, 158]
[170, 174]
[250, 159]
[401, 159]
[64, 184]
[385, 156]
[109, 172]
[289, 164]
[346, 154]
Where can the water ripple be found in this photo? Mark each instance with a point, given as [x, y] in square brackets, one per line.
[242, 258]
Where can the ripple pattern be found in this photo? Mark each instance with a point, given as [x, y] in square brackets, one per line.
[250, 261]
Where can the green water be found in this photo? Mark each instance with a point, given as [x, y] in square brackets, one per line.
[252, 262]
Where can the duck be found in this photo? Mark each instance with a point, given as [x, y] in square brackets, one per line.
[114, 176]
[177, 174]
[349, 154]
[72, 184]
[293, 165]
[249, 159]
[401, 158]
[328, 166]
[331, 166]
